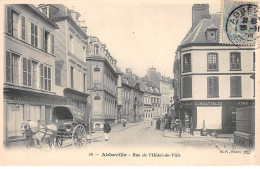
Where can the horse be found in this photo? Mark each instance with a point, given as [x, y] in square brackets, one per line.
[38, 132]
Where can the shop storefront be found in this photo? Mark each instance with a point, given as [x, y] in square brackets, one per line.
[26, 104]
[218, 115]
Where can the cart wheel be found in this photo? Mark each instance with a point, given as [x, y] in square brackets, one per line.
[79, 136]
[58, 142]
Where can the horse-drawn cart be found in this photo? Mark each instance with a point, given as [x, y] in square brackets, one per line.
[71, 123]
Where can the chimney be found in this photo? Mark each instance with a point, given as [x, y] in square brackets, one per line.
[199, 12]
[129, 71]
[75, 16]
[84, 26]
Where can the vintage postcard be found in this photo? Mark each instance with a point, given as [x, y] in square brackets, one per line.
[129, 82]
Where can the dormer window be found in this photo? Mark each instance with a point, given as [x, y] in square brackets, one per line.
[45, 11]
[96, 49]
[211, 33]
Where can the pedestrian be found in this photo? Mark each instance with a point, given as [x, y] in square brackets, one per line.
[173, 124]
[158, 123]
[106, 130]
[191, 127]
[124, 122]
[180, 127]
[151, 122]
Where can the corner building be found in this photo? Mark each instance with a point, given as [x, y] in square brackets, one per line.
[102, 83]
[214, 78]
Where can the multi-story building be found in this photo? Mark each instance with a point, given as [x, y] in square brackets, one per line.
[29, 66]
[132, 97]
[165, 85]
[152, 100]
[71, 51]
[102, 83]
[214, 78]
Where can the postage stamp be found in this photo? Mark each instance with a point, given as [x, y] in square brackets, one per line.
[239, 22]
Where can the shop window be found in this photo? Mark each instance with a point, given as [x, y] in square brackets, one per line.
[187, 62]
[213, 87]
[187, 87]
[235, 61]
[15, 118]
[212, 61]
[11, 67]
[235, 86]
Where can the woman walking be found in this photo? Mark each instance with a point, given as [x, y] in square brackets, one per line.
[106, 130]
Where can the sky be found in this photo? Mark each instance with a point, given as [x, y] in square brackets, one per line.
[140, 34]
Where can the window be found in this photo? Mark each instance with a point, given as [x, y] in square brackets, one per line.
[11, 67]
[211, 35]
[12, 22]
[45, 77]
[213, 87]
[71, 44]
[34, 35]
[95, 49]
[34, 74]
[45, 11]
[187, 62]
[71, 77]
[27, 72]
[253, 60]
[235, 61]
[96, 105]
[96, 75]
[48, 42]
[212, 61]
[187, 87]
[235, 86]
[84, 82]
[23, 33]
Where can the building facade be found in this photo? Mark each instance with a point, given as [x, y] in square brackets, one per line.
[29, 66]
[132, 97]
[152, 100]
[102, 83]
[214, 78]
[71, 51]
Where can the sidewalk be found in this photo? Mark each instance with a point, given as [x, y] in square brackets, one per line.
[117, 128]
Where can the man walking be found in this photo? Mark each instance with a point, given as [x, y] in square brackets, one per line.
[180, 128]
[158, 123]
[106, 130]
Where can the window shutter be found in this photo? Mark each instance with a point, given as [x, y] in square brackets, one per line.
[25, 66]
[9, 20]
[8, 64]
[232, 86]
[32, 34]
[29, 72]
[41, 75]
[210, 83]
[49, 79]
[187, 87]
[23, 27]
[52, 43]
[36, 36]
[215, 87]
[238, 86]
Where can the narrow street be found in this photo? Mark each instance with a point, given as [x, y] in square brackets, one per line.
[144, 136]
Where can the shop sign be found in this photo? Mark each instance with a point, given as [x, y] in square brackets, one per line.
[208, 103]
